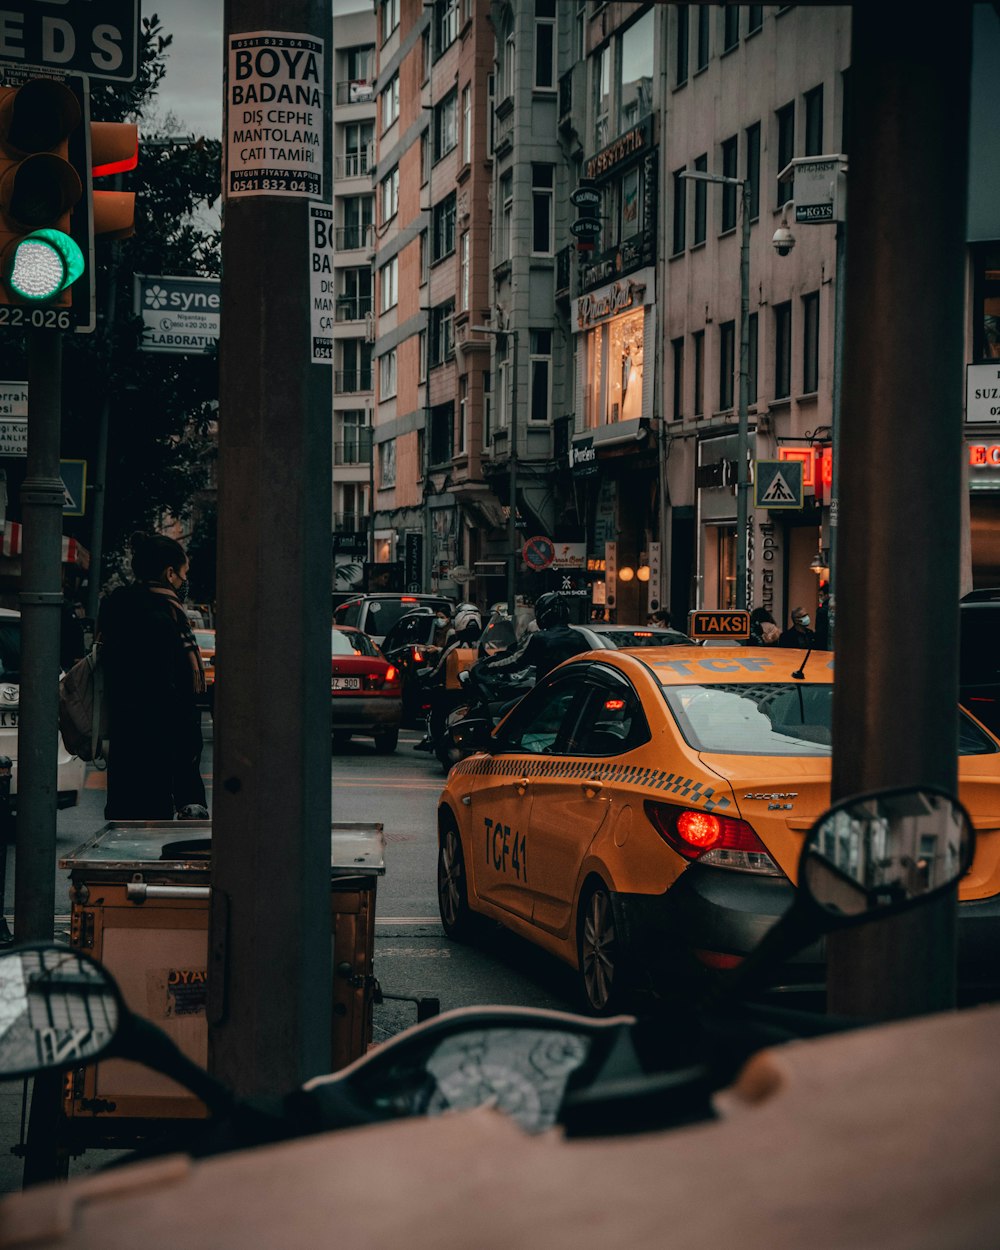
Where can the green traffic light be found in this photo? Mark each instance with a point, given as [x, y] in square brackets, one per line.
[44, 263]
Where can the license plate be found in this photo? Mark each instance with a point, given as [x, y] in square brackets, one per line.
[346, 683]
[8, 720]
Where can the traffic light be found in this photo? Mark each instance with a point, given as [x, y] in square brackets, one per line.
[114, 149]
[39, 187]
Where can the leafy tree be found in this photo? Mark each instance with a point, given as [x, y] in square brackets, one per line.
[161, 408]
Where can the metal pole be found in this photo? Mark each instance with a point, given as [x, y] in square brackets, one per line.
[743, 436]
[99, 493]
[270, 979]
[512, 518]
[838, 372]
[895, 697]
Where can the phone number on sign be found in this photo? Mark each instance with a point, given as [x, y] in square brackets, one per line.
[244, 182]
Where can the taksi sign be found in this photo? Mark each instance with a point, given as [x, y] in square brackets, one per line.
[72, 36]
[178, 314]
[719, 624]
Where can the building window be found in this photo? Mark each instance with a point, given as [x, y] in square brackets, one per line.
[387, 464]
[729, 189]
[542, 205]
[700, 203]
[490, 113]
[698, 339]
[782, 350]
[505, 217]
[445, 24]
[508, 65]
[615, 362]
[752, 350]
[814, 121]
[755, 18]
[422, 357]
[390, 103]
[444, 227]
[446, 125]
[467, 124]
[602, 97]
[541, 375]
[390, 17]
[355, 445]
[358, 138]
[357, 220]
[354, 301]
[730, 27]
[752, 171]
[442, 432]
[503, 376]
[727, 363]
[463, 271]
[635, 78]
[387, 375]
[545, 44]
[389, 285]
[786, 150]
[704, 24]
[677, 353]
[810, 342]
[463, 412]
[442, 341]
[681, 45]
[679, 234]
[390, 195]
[356, 374]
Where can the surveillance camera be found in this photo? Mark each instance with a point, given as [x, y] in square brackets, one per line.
[783, 240]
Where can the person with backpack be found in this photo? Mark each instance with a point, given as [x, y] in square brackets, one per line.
[153, 676]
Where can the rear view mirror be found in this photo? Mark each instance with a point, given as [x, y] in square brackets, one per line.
[885, 851]
[58, 1008]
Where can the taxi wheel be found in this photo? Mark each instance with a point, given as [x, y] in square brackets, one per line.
[457, 919]
[598, 952]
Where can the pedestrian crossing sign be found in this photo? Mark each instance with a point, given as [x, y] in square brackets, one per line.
[777, 484]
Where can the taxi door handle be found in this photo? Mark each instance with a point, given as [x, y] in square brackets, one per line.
[520, 785]
[591, 787]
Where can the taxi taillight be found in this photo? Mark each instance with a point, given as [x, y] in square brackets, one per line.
[722, 841]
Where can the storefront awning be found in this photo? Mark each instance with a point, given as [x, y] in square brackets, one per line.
[72, 552]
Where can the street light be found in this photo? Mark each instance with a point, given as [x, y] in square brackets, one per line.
[743, 436]
[512, 516]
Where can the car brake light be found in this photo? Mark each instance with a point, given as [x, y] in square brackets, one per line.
[614, 705]
[722, 841]
[379, 681]
[418, 656]
[391, 675]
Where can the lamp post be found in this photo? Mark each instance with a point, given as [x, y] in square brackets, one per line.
[512, 426]
[742, 430]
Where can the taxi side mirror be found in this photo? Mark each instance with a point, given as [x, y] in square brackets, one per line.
[474, 734]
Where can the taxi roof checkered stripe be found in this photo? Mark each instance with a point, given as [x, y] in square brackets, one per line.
[694, 792]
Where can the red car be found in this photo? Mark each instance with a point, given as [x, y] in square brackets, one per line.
[366, 696]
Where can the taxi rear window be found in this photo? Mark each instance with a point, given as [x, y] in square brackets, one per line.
[774, 718]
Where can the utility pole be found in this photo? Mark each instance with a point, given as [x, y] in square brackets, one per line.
[270, 925]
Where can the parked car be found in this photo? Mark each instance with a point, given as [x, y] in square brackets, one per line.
[376, 614]
[979, 656]
[640, 814]
[71, 769]
[365, 691]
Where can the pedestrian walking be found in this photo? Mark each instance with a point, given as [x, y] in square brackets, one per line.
[798, 633]
[153, 676]
[764, 631]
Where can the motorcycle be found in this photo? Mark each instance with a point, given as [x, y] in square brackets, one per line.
[871, 856]
[486, 695]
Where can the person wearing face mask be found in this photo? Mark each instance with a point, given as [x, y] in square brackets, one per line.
[153, 676]
[798, 633]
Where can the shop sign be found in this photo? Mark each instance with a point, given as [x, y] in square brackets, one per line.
[982, 394]
[608, 303]
[570, 556]
[624, 148]
[583, 457]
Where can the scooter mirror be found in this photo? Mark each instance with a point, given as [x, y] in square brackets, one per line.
[58, 1007]
[885, 851]
[473, 734]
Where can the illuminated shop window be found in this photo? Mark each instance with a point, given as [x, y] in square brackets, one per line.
[616, 364]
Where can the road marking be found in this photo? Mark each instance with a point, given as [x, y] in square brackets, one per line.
[400, 921]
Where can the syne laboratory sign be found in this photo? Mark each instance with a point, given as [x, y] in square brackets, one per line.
[179, 315]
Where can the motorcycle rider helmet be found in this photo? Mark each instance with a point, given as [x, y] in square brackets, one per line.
[551, 609]
[467, 621]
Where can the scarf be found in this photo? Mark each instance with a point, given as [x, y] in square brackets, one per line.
[188, 641]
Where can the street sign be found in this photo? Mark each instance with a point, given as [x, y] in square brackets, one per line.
[180, 315]
[538, 553]
[585, 195]
[74, 480]
[13, 399]
[818, 188]
[77, 37]
[733, 624]
[14, 436]
[777, 485]
[982, 394]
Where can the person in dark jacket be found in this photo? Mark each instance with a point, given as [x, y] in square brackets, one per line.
[553, 641]
[153, 676]
[798, 634]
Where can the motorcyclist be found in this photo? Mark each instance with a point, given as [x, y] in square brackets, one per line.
[466, 627]
[544, 648]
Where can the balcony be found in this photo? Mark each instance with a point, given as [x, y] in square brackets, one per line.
[354, 450]
[353, 238]
[355, 164]
[353, 307]
[348, 381]
[355, 91]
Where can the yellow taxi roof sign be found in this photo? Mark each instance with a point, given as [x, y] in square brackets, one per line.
[719, 623]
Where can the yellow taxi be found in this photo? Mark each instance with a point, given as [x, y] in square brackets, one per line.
[640, 814]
